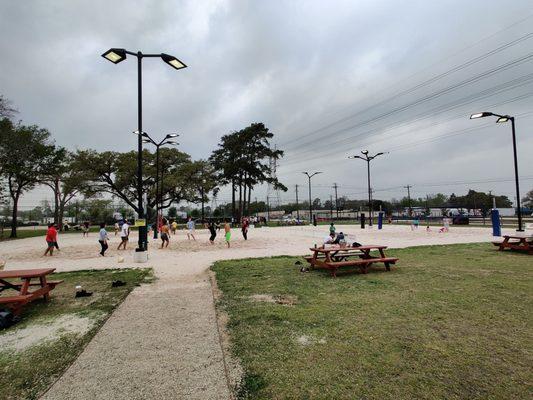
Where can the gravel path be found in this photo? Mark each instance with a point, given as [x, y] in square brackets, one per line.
[163, 342]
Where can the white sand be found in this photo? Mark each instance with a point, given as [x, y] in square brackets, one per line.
[23, 338]
[78, 252]
[163, 341]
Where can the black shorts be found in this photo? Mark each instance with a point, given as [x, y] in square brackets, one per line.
[124, 238]
[164, 236]
[212, 237]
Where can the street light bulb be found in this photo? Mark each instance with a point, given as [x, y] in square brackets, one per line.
[171, 142]
[480, 115]
[146, 141]
[173, 61]
[171, 135]
[115, 55]
[502, 119]
[365, 152]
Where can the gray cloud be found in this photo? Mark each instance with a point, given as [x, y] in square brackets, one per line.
[295, 65]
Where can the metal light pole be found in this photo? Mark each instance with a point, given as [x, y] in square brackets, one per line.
[310, 202]
[116, 55]
[297, 206]
[158, 183]
[501, 119]
[368, 158]
[203, 183]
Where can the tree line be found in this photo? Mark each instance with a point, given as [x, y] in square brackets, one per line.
[29, 157]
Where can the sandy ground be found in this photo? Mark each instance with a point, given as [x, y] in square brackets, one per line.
[163, 341]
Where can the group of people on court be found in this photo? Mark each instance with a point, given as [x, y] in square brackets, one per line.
[166, 228]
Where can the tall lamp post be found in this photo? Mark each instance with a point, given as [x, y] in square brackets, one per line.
[366, 157]
[501, 119]
[116, 56]
[158, 177]
[309, 176]
[203, 184]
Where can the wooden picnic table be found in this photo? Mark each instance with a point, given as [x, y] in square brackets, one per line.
[521, 243]
[24, 295]
[334, 257]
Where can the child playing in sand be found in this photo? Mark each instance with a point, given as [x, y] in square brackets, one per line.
[212, 231]
[51, 239]
[227, 230]
[124, 235]
[165, 234]
[190, 227]
[102, 239]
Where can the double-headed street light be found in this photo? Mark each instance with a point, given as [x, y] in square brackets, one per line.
[501, 119]
[310, 202]
[368, 158]
[116, 56]
[158, 178]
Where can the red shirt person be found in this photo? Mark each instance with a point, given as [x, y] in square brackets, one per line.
[51, 239]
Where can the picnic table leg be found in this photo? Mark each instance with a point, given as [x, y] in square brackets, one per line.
[503, 244]
[25, 286]
[46, 296]
[382, 253]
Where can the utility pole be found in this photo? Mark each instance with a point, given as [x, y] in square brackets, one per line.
[493, 199]
[427, 210]
[268, 211]
[297, 206]
[330, 207]
[336, 200]
[408, 187]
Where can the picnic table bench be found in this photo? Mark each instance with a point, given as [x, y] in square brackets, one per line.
[24, 295]
[521, 243]
[335, 257]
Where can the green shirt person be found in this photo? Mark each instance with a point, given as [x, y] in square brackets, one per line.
[332, 228]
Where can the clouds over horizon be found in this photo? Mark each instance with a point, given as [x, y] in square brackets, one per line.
[297, 66]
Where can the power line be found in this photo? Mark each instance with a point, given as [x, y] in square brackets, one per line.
[298, 160]
[486, 93]
[416, 87]
[511, 64]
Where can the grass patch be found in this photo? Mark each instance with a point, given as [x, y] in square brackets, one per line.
[449, 322]
[24, 233]
[26, 371]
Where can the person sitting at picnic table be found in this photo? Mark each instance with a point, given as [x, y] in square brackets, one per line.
[51, 239]
[340, 239]
[330, 239]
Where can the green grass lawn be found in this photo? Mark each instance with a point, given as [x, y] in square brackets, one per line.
[26, 372]
[448, 322]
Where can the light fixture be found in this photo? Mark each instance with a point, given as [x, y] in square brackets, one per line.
[502, 119]
[171, 142]
[115, 55]
[173, 61]
[147, 141]
[365, 152]
[481, 115]
[172, 135]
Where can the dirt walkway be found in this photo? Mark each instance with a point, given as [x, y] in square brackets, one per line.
[163, 342]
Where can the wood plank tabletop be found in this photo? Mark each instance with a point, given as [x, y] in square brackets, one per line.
[26, 273]
[347, 248]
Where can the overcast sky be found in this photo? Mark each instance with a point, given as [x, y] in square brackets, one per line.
[328, 78]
